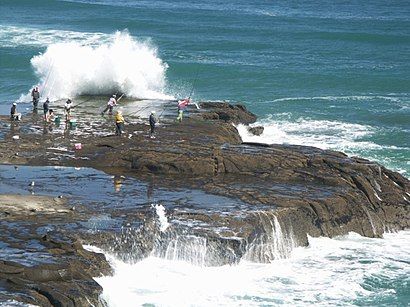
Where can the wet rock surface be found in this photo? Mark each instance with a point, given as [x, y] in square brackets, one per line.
[235, 200]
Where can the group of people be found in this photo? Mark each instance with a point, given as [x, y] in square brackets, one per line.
[112, 102]
[153, 119]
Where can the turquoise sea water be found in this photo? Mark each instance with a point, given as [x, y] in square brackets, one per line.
[328, 74]
[331, 74]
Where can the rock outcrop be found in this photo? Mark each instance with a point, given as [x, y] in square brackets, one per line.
[280, 194]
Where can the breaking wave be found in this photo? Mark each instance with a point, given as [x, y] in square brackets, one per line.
[343, 271]
[350, 138]
[323, 134]
[119, 64]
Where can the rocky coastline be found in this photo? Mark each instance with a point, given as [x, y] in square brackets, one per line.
[295, 190]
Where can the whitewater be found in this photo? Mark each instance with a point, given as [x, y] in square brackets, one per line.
[115, 63]
[348, 270]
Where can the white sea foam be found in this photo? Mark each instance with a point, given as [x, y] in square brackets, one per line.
[330, 271]
[352, 139]
[12, 36]
[323, 134]
[162, 217]
[98, 64]
[339, 98]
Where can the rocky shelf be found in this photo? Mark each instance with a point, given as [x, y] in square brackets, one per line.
[292, 190]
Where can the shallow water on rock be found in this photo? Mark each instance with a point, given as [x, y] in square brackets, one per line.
[100, 191]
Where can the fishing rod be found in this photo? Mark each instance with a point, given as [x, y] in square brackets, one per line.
[48, 74]
[79, 104]
[120, 97]
[51, 87]
[139, 110]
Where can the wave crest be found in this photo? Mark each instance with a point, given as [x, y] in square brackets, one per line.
[123, 64]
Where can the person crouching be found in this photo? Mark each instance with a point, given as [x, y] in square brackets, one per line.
[13, 112]
[119, 123]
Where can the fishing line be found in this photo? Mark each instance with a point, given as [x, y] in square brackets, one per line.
[194, 83]
[49, 73]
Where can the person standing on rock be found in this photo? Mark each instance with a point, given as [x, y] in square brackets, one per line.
[67, 109]
[182, 104]
[35, 94]
[110, 105]
[152, 122]
[46, 105]
[119, 123]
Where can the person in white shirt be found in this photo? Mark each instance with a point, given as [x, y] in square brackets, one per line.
[67, 109]
[110, 105]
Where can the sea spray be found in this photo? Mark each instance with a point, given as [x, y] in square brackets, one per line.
[122, 64]
[163, 220]
[271, 242]
[342, 271]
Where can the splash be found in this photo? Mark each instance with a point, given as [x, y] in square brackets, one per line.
[350, 138]
[163, 221]
[121, 64]
[273, 243]
[343, 271]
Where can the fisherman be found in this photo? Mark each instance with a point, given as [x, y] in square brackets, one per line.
[67, 109]
[152, 122]
[119, 123]
[13, 112]
[35, 94]
[182, 104]
[50, 116]
[110, 105]
[46, 105]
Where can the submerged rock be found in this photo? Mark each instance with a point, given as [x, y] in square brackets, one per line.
[258, 130]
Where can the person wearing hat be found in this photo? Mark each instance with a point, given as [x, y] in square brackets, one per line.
[152, 122]
[119, 123]
[67, 109]
[35, 94]
[110, 105]
[13, 112]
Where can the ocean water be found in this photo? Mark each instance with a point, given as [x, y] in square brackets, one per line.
[346, 271]
[331, 74]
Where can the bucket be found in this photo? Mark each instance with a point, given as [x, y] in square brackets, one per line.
[77, 146]
[57, 120]
[73, 123]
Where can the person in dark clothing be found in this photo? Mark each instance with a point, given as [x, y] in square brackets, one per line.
[35, 94]
[46, 105]
[152, 122]
[13, 112]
